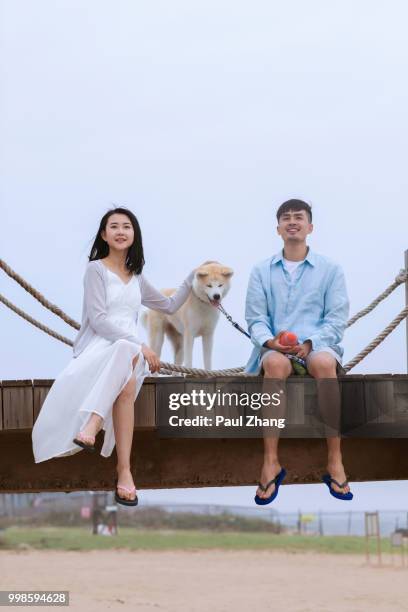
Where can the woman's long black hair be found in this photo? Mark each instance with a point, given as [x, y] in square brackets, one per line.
[135, 257]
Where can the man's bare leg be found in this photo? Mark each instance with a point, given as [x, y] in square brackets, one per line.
[323, 365]
[275, 366]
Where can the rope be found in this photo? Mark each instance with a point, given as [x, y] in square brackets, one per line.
[166, 368]
[169, 368]
[370, 347]
[38, 296]
[399, 279]
[27, 317]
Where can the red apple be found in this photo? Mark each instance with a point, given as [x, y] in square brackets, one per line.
[288, 339]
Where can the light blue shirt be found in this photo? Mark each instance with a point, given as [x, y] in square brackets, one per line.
[312, 303]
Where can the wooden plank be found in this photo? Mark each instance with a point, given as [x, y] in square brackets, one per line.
[165, 386]
[41, 388]
[313, 419]
[207, 386]
[380, 430]
[27, 382]
[401, 399]
[379, 400]
[352, 404]
[295, 403]
[386, 398]
[18, 410]
[312, 400]
[298, 423]
[253, 385]
[230, 389]
[145, 407]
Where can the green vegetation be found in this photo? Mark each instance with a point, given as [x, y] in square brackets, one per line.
[152, 518]
[81, 538]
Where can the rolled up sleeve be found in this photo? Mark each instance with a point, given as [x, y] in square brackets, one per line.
[256, 311]
[336, 312]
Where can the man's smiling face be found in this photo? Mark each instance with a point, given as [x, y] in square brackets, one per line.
[294, 226]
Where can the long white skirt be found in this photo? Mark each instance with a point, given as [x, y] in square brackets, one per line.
[90, 383]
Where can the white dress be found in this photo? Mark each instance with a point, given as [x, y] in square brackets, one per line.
[92, 381]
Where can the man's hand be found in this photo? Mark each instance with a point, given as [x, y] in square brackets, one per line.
[282, 348]
[302, 350]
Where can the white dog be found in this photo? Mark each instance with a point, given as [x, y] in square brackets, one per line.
[197, 317]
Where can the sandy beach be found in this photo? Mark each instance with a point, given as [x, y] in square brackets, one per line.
[198, 581]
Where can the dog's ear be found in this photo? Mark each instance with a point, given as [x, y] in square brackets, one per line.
[227, 272]
[202, 274]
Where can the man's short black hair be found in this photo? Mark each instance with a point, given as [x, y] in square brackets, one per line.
[294, 205]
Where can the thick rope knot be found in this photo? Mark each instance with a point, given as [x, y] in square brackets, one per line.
[402, 276]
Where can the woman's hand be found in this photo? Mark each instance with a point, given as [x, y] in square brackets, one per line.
[151, 358]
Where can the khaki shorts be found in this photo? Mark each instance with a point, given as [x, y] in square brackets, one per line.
[326, 349]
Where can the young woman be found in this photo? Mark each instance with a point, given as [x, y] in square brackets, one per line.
[98, 388]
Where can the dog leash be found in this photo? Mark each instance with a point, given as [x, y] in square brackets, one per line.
[233, 323]
[294, 358]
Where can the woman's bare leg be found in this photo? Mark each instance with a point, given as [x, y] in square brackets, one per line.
[123, 423]
[88, 433]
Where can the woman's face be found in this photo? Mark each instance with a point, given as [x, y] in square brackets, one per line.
[119, 232]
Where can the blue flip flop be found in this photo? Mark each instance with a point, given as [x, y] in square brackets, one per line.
[327, 479]
[277, 481]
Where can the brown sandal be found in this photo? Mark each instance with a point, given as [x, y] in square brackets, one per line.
[80, 441]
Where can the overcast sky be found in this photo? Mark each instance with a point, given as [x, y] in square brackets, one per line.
[201, 117]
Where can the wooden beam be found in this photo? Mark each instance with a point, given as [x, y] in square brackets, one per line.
[168, 463]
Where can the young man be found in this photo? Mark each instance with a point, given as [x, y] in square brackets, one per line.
[305, 293]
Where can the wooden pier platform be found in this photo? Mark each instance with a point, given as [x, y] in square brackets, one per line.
[374, 425]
